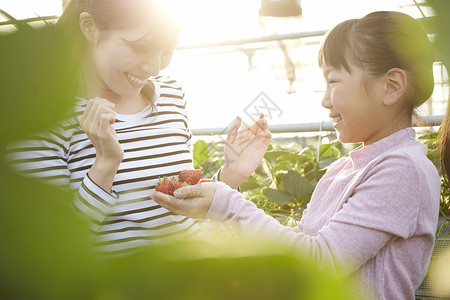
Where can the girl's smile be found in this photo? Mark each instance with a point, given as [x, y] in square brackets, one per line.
[336, 119]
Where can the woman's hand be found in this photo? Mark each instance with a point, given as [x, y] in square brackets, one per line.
[244, 150]
[191, 201]
[97, 122]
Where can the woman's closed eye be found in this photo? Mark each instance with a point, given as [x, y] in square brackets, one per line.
[139, 48]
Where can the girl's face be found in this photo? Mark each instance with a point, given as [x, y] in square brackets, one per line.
[356, 115]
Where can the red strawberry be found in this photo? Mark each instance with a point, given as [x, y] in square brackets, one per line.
[191, 176]
[177, 183]
[166, 186]
[206, 180]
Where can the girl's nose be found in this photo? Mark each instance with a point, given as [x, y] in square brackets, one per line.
[326, 100]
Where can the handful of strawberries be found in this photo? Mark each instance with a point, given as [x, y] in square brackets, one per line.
[168, 185]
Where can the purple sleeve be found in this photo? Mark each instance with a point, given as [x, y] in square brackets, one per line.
[381, 208]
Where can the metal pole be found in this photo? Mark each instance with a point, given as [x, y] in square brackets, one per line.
[269, 38]
[310, 127]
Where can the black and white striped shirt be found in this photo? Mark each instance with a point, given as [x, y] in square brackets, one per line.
[156, 144]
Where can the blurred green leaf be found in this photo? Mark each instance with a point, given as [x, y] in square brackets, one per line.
[307, 154]
[328, 150]
[279, 197]
[272, 156]
[325, 163]
[251, 184]
[290, 157]
[200, 153]
[296, 185]
[46, 250]
[283, 166]
[38, 81]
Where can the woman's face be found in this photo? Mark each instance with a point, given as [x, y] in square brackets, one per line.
[124, 63]
[125, 56]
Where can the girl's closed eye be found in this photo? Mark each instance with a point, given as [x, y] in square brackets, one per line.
[332, 81]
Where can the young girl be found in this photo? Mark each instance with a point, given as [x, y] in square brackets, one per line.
[127, 131]
[373, 214]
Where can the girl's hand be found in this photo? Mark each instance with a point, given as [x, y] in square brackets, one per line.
[97, 122]
[244, 150]
[191, 201]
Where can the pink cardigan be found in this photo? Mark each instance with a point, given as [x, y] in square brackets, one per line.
[373, 214]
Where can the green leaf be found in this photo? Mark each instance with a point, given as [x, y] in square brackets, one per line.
[38, 81]
[251, 184]
[246, 186]
[325, 163]
[283, 166]
[307, 154]
[296, 185]
[328, 150]
[278, 196]
[311, 176]
[200, 153]
[308, 167]
[291, 157]
[273, 155]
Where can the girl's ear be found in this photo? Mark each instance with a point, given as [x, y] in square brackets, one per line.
[87, 26]
[396, 85]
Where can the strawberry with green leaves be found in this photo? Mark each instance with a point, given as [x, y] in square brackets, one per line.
[185, 178]
[178, 183]
[165, 185]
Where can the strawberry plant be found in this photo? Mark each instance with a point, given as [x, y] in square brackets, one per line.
[287, 176]
[430, 139]
[283, 183]
[208, 157]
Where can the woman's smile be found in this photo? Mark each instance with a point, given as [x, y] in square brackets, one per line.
[135, 80]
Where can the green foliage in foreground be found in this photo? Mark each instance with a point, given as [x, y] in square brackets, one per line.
[45, 250]
[45, 254]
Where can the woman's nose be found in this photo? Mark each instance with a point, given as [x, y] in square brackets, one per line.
[151, 66]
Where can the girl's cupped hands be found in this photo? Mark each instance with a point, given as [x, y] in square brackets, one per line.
[192, 201]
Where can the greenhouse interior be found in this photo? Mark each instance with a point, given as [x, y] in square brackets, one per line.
[319, 131]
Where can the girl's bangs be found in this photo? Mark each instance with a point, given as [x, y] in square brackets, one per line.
[335, 50]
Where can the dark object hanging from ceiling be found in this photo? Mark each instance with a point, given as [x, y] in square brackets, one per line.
[280, 8]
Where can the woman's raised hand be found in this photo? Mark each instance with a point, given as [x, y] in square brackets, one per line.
[244, 150]
[97, 122]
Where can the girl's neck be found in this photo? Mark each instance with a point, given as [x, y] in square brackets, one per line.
[390, 128]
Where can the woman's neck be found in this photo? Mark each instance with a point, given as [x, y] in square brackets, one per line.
[92, 86]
